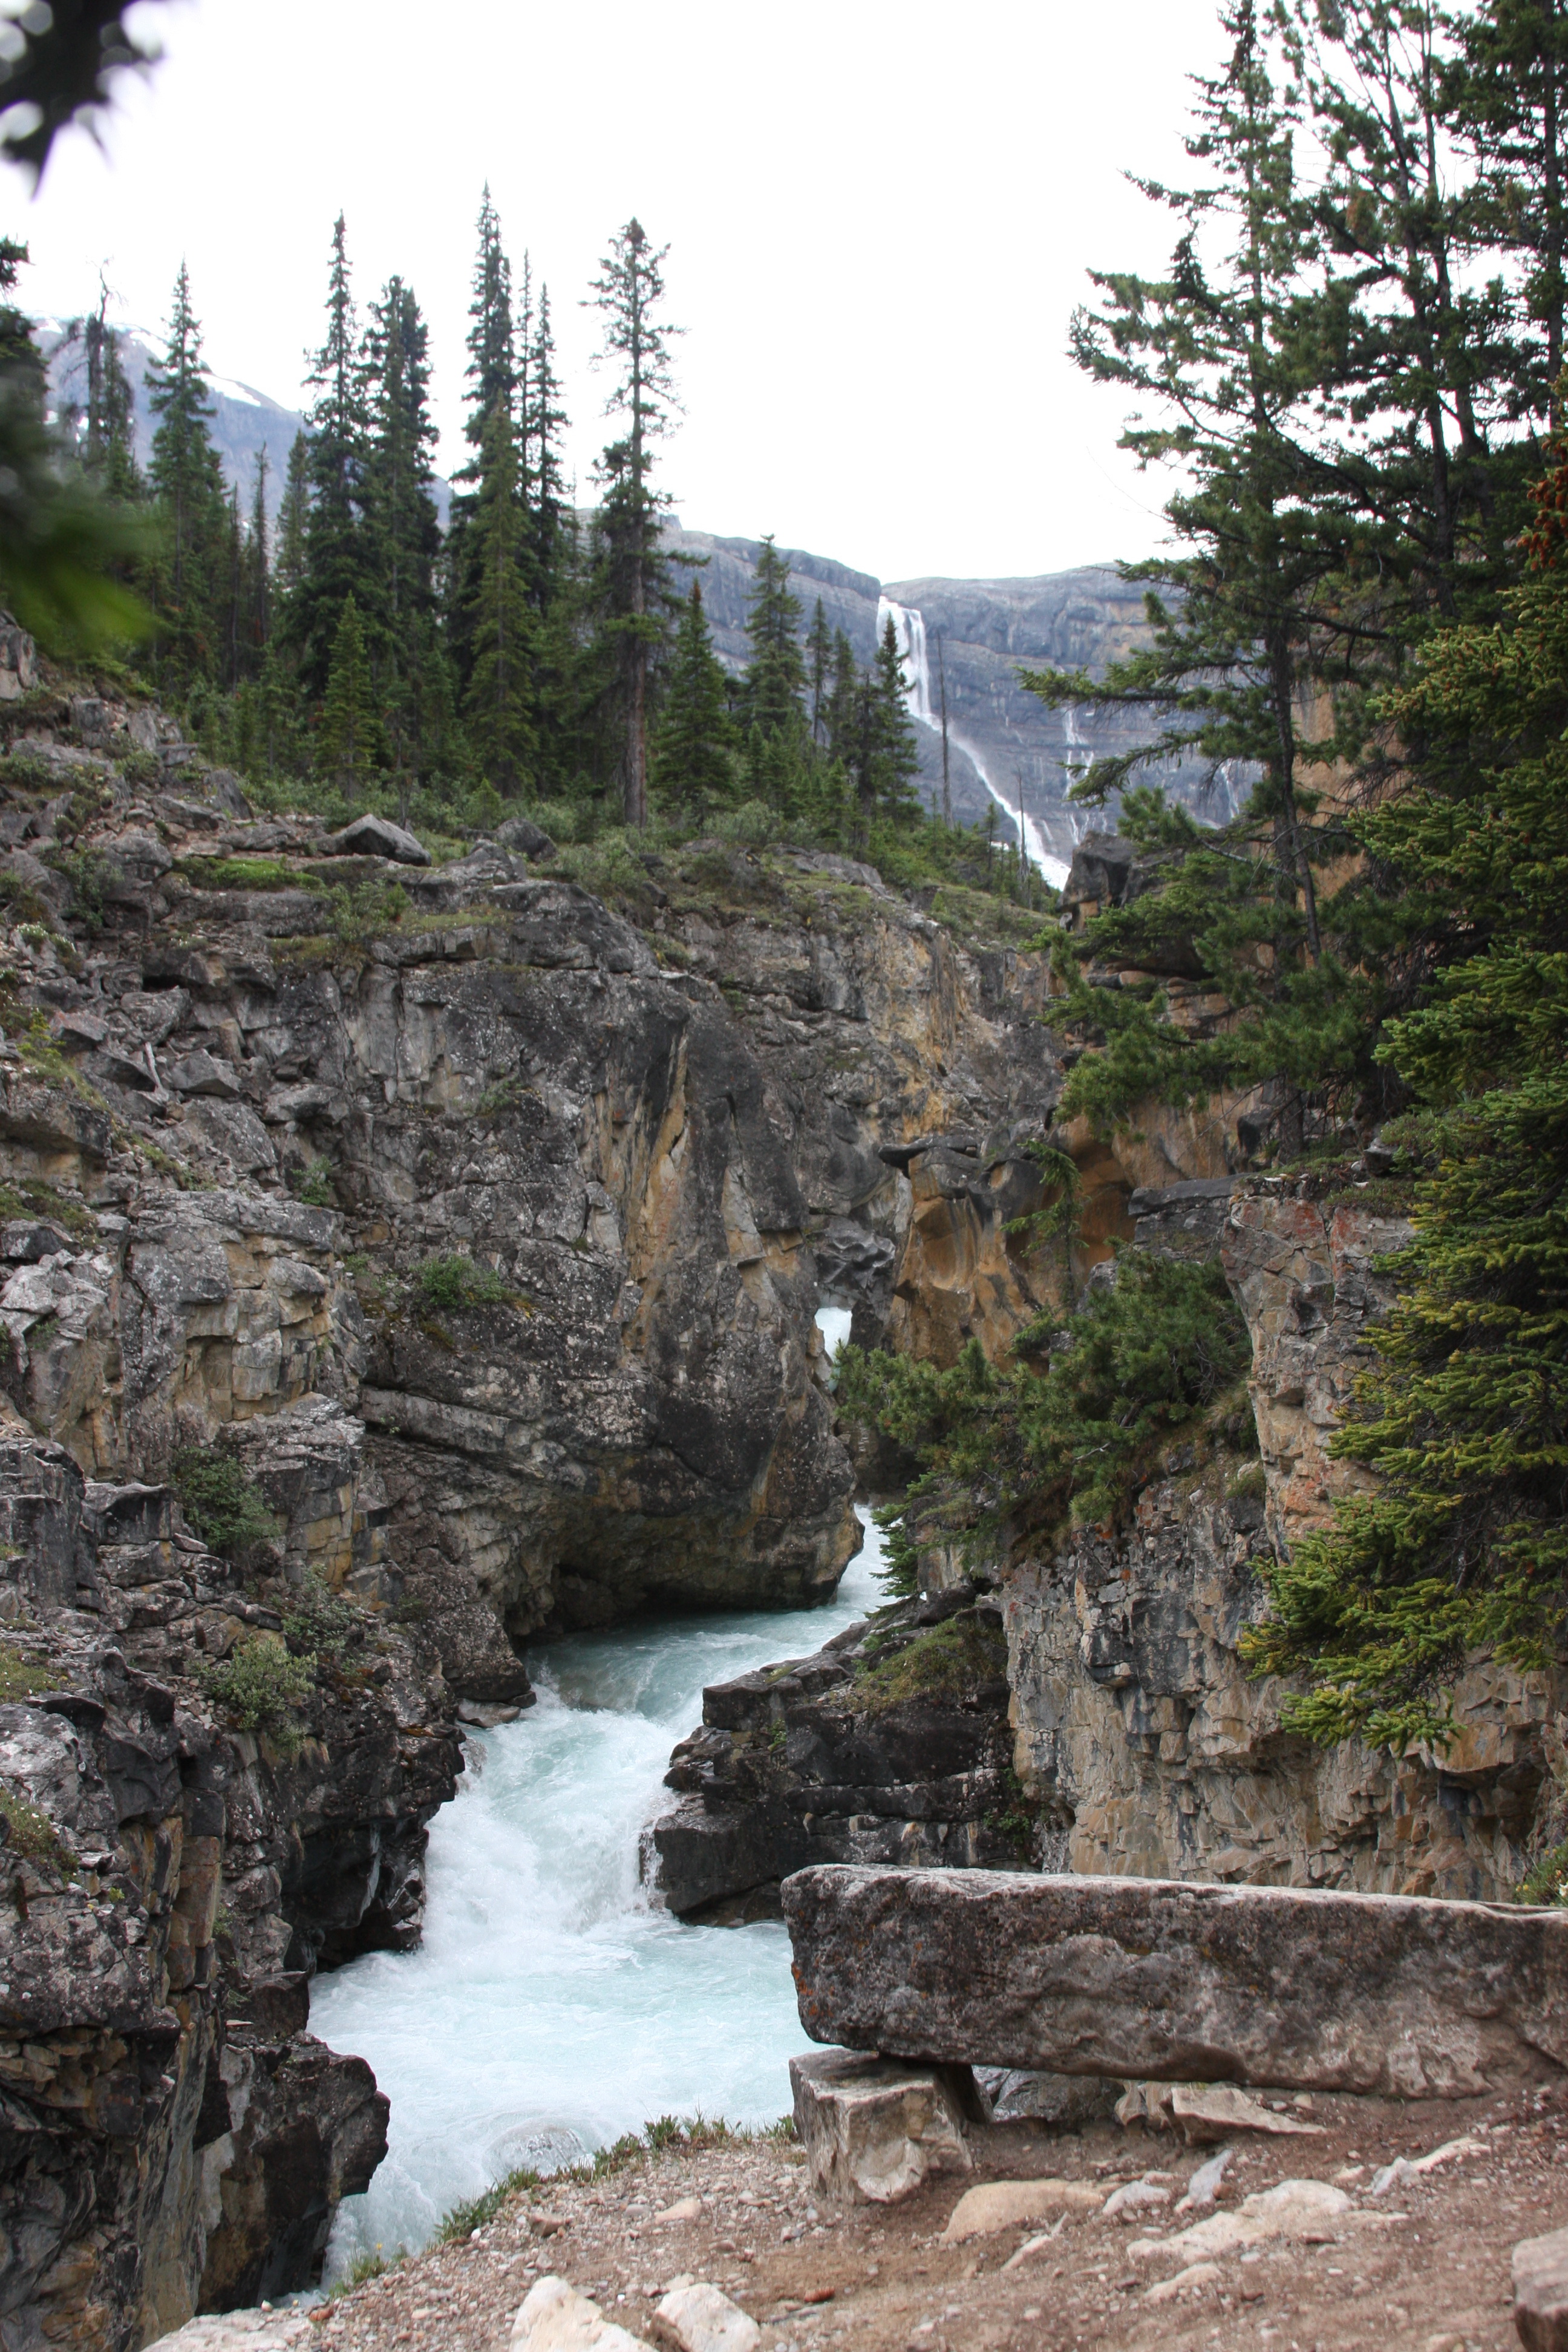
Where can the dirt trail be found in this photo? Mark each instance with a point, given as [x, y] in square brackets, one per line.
[1425, 2265]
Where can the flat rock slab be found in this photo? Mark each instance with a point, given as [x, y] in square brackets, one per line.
[1139, 1977]
[254, 2330]
[1541, 2292]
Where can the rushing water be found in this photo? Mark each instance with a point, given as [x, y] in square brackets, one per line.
[551, 2007]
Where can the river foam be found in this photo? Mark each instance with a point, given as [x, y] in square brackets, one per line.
[551, 2006]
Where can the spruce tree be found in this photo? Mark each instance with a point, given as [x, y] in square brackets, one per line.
[894, 760]
[819, 671]
[292, 509]
[693, 756]
[631, 572]
[186, 481]
[337, 558]
[257, 601]
[1506, 98]
[501, 623]
[348, 736]
[403, 534]
[1463, 1542]
[775, 674]
[492, 379]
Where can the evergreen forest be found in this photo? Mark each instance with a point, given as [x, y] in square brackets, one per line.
[350, 654]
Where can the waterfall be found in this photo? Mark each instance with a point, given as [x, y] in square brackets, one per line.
[909, 631]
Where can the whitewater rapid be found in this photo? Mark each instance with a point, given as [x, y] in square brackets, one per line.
[551, 2006]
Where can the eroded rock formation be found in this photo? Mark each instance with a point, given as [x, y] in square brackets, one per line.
[483, 1225]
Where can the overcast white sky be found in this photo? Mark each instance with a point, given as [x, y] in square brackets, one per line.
[880, 220]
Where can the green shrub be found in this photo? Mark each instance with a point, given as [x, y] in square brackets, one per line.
[320, 1623]
[367, 912]
[30, 1831]
[245, 874]
[260, 1687]
[1546, 1881]
[23, 1677]
[948, 1663]
[1071, 1424]
[221, 1506]
[900, 1576]
[316, 1189]
[475, 2212]
[456, 1281]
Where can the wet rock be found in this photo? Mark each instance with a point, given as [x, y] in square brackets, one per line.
[1541, 2292]
[873, 2130]
[823, 1759]
[1135, 1978]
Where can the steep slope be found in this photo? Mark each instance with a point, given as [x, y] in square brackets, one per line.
[479, 1225]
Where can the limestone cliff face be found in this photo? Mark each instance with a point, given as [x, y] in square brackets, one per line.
[1139, 1733]
[485, 1226]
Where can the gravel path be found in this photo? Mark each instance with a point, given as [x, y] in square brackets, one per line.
[1424, 2265]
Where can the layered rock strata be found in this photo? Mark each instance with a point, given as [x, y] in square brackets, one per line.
[482, 1225]
[890, 1745]
[1141, 1737]
[171, 2132]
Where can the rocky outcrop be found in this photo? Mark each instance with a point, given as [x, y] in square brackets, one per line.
[1142, 1738]
[890, 1745]
[481, 1225]
[1125, 1978]
[171, 2130]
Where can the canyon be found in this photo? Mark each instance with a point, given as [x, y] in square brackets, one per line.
[477, 1225]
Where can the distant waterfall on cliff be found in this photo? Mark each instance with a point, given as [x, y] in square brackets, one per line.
[909, 631]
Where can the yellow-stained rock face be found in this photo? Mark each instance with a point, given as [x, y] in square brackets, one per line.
[1139, 1733]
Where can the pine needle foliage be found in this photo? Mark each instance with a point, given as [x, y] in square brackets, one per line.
[1465, 1417]
[1068, 1426]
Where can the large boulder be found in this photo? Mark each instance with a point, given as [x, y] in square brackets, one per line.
[377, 836]
[1287, 1986]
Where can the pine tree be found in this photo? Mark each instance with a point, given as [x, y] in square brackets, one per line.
[501, 623]
[257, 572]
[1509, 102]
[187, 482]
[894, 760]
[693, 764]
[842, 714]
[492, 345]
[1463, 1543]
[546, 428]
[337, 562]
[631, 570]
[292, 510]
[492, 379]
[348, 738]
[403, 534]
[819, 671]
[775, 674]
